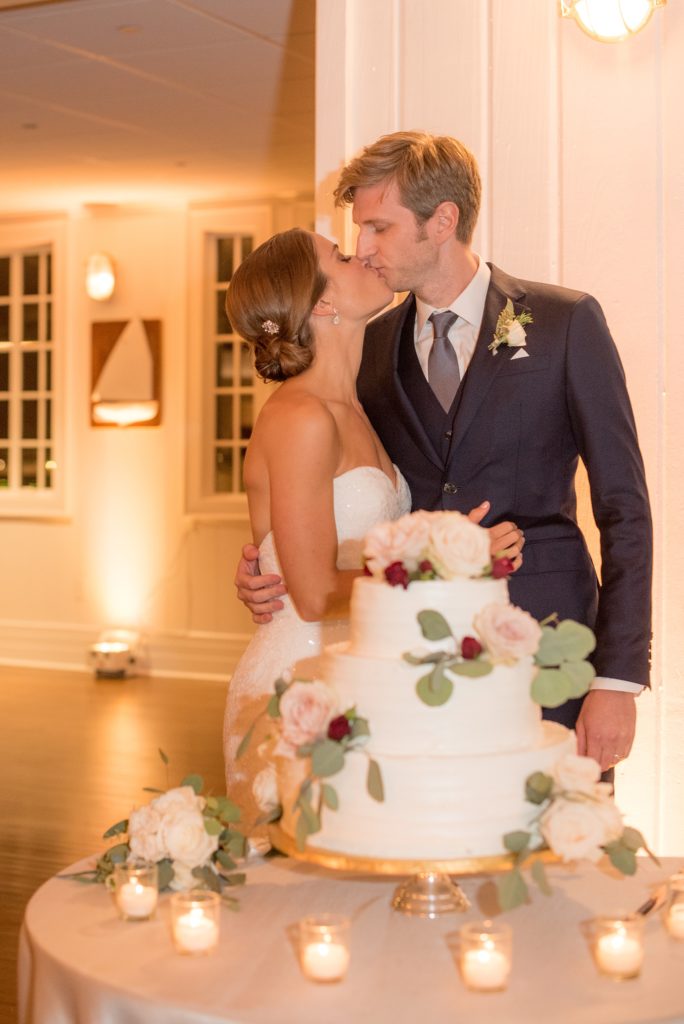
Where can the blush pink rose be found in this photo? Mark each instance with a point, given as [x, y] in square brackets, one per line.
[401, 540]
[507, 633]
[458, 547]
[305, 713]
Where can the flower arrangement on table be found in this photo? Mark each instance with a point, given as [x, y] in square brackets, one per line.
[447, 546]
[577, 820]
[311, 742]
[190, 837]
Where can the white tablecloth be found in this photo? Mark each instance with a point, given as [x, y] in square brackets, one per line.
[80, 964]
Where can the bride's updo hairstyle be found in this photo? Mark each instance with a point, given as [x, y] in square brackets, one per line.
[270, 300]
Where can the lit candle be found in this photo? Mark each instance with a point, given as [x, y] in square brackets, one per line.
[325, 961]
[485, 968]
[620, 954]
[195, 932]
[675, 920]
[136, 900]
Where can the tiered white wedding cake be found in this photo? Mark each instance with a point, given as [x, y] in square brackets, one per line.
[438, 670]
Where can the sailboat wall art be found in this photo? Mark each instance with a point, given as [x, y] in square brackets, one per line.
[126, 373]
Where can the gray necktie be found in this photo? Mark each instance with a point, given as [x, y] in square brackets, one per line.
[443, 373]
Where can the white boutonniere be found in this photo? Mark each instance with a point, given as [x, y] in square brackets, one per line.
[510, 328]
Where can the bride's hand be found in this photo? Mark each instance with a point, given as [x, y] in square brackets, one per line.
[258, 593]
[505, 539]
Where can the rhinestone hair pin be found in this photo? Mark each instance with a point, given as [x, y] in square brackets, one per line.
[270, 326]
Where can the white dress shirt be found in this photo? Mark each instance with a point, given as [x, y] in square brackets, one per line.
[469, 307]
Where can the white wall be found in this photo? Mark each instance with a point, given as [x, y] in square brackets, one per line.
[582, 157]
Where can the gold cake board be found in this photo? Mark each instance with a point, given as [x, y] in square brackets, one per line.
[428, 891]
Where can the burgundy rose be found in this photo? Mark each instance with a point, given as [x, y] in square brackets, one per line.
[339, 728]
[426, 566]
[396, 575]
[502, 567]
[470, 648]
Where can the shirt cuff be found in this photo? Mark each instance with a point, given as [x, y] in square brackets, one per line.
[603, 683]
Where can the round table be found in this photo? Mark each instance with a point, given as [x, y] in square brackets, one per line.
[80, 964]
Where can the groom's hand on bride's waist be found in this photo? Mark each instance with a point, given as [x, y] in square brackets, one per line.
[260, 594]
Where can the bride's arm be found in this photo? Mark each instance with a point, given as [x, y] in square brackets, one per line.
[302, 454]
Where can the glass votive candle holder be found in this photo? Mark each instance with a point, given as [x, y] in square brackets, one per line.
[136, 889]
[485, 955]
[673, 912]
[617, 944]
[324, 947]
[195, 921]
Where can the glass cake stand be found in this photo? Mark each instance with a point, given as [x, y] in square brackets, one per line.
[429, 888]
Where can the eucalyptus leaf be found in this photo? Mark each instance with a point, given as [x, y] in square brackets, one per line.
[374, 783]
[327, 758]
[330, 798]
[163, 756]
[301, 832]
[632, 838]
[312, 820]
[245, 741]
[273, 706]
[516, 842]
[280, 686]
[237, 878]
[473, 668]
[164, 873]
[116, 830]
[580, 674]
[196, 781]
[433, 625]
[539, 875]
[426, 659]
[212, 826]
[431, 696]
[551, 687]
[230, 901]
[152, 789]
[569, 641]
[211, 804]
[208, 877]
[511, 889]
[360, 727]
[236, 844]
[538, 787]
[119, 853]
[225, 860]
[227, 809]
[621, 857]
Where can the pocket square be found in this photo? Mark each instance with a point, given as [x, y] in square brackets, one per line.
[520, 354]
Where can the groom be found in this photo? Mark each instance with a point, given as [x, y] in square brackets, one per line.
[467, 421]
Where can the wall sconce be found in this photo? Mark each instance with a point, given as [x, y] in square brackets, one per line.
[115, 655]
[126, 373]
[610, 21]
[100, 277]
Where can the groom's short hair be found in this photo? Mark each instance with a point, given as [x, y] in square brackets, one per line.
[427, 169]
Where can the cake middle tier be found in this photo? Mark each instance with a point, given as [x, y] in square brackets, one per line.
[487, 714]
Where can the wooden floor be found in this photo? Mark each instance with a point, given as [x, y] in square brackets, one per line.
[74, 756]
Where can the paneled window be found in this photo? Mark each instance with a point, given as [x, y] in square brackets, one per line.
[233, 384]
[28, 461]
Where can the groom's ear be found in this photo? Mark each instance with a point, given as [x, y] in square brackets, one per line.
[445, 221]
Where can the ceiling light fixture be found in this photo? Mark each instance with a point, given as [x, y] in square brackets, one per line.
[100, 277]
[610, 21]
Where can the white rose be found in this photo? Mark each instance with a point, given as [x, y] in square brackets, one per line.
[574, 830]
[515, 335]
[402, 540]
[458, 547]
[144, 836]
[265, 789]
[177, 799]
[576, 774]
[507, 633]
[183, 877]
[610, 815]
[305, 712]
[186, 838]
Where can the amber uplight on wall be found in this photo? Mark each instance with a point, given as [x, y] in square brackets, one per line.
[126, 373]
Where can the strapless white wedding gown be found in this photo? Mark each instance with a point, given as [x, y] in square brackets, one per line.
[363, 497]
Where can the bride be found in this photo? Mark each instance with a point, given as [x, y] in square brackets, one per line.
[316, 475]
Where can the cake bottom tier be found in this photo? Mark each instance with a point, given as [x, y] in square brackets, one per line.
[437, 807]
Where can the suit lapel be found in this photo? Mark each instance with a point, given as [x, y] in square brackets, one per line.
[484, 366]
[406, 314]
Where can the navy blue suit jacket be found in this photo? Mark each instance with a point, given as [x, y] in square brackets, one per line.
[518, 427]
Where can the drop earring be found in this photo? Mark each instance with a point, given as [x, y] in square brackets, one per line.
[336, 317]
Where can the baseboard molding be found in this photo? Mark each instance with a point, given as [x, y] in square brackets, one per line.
[60, 646]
